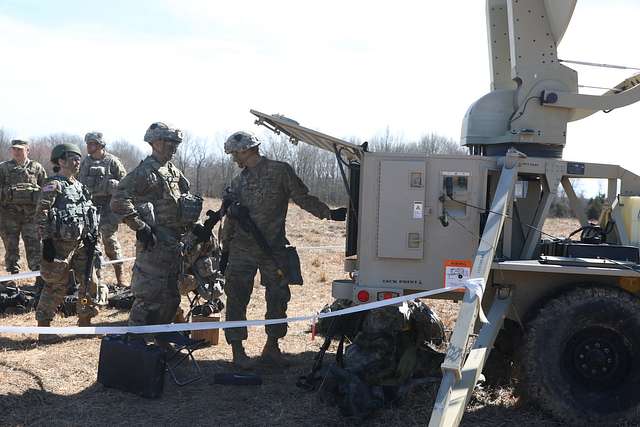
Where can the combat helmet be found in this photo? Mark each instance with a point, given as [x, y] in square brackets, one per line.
[159, 130]
[61, 149]
[96, 137]
[240, 141]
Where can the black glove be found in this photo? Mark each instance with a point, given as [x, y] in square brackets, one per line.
[146, 236]
[48, 250]
[201, 233]
[226, 202]
[339, 214]
[239, 212]
[224, 260]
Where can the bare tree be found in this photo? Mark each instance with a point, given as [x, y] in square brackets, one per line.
[182, 158]
[433, 143]
[41, 147]
[129, 154]
[429, 144]
[200, 159]
[210, 170]
[5, 143]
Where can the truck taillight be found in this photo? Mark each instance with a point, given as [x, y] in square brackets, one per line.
[387, 295]
[363, 296]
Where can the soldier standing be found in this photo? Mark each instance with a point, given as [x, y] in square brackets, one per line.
[100, 173]
[20, 181]
[68, 222]
[264, 188]
[154, 201]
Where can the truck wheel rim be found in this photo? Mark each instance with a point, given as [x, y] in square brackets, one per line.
[597, 357]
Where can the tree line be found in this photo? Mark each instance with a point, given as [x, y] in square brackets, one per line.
[210, 170]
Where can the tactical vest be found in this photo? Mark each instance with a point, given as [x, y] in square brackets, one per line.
[177, 207]
[72, 216]
[97, 177]
[21, 186]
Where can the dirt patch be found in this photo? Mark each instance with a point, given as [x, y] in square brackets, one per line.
[40, 385]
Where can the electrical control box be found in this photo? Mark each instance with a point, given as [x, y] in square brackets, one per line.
[401, 206]
[416, 214]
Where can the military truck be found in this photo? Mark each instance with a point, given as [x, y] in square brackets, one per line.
[421, 222]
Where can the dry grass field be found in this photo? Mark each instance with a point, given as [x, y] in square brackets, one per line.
[56, 383]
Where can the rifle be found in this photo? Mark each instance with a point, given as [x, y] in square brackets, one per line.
[205, 231]
[90, 243]
[241, 214]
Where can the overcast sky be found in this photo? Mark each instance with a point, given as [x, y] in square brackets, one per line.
[346, 68]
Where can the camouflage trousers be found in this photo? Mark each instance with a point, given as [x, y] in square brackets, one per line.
[70, 255]
[108, 229]
[244, 262]
[155, 284]
[13, 224]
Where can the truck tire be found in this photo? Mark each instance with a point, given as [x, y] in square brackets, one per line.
[581, 358]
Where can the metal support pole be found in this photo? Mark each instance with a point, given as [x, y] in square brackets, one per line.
[551, 180]
[454, 359]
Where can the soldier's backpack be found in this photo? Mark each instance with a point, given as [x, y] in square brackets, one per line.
[120, 297]
[391, 352]
[69, 306]
[14, 300]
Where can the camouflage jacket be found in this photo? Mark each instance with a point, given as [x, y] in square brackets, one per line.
[265, 191]
[65, 210]
[162, 186]
[20, 184]
[101, 176]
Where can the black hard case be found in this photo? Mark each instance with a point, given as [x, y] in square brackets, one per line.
[131, 365]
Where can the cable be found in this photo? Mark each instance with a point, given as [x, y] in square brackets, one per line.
[507, 217]
[340, 159]
[524, 108]
[347, 186]
[476, 235]
[606, 231]
[628, 267]
[481, 240]
[516, 213]
[592, 233]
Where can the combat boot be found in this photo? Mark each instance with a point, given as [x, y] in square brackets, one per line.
[271, 354]
[84, 321]
[240, 358]
[46, 338]
[117, 269]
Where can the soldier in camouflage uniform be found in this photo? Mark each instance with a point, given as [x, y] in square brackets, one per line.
[20, 183]
[68, 223]
[100, 172]
[154, 201]
[264, 187]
